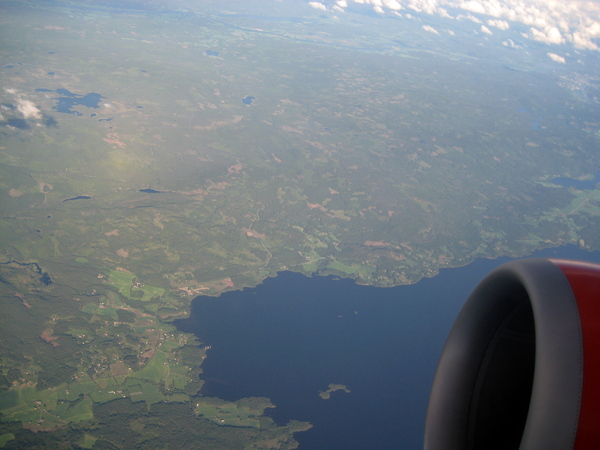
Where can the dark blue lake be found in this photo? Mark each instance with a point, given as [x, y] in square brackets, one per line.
[292, 336]
[581, 185]
[68, 100]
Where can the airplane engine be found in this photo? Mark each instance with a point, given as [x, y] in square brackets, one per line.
[521, 366]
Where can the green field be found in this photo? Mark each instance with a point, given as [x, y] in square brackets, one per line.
[243, 413]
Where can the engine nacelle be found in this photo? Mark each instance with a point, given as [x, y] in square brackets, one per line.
[521, 366]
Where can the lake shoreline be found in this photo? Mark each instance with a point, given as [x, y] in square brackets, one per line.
[290, 337]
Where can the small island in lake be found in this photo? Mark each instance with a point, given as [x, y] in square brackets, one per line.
[325, 395]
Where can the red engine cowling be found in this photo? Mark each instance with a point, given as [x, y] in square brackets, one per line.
[521, 366]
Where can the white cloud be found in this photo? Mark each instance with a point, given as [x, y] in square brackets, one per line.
[549, 35]
[582, 38]
[393, 5]
[510, 43]
[430, 29]
[502, 24]
[557, 58]
[318, 5]
[485, 30]
[28, 109]
[426, 6]
[551, 21]
[582, 41]
[443, 13]
[470, 17]
[473, 6]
